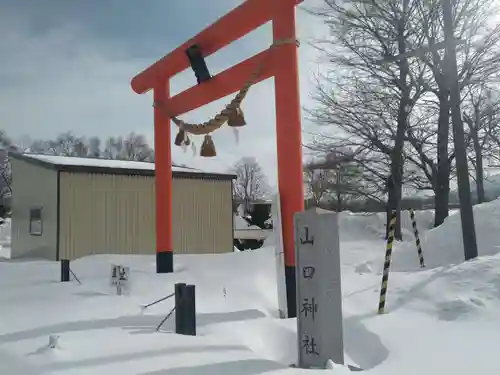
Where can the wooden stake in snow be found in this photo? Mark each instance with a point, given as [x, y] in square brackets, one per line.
[417, 238]
[387, 263]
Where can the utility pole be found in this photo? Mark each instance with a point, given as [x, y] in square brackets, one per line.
[451, 74]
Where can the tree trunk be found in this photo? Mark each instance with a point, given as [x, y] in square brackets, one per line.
[394, 201]
[442, 192]
[339, 191]
[393, 205]
[395, 194]
[481, 196]
[387, 217]
[473, 125]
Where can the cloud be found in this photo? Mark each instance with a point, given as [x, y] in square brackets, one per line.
[67, 79]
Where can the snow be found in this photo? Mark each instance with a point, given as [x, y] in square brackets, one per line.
[443, 319]
[443, 246]
[5, 240]
[240, 223]
[106, 163]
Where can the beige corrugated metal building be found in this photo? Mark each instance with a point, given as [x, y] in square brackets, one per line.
[67, 208]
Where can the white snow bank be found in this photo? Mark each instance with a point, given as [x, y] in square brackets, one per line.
[363, 235]
[443, 245]
[435, 310]
[357, 226]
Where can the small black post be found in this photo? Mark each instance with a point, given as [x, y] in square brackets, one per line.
[291, 291]
[64, 270]
[189, 310]
[179, 307]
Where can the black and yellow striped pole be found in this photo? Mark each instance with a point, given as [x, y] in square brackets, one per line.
[387, 263]
[417, 238]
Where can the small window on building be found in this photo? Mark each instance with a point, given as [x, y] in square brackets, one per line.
[36, 226]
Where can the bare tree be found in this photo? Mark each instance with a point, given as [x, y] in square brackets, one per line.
[369, 165]
[113, 148]
[318, 183]
[366, 118]
[6, 146]
[478, 61]
[131, 147]
[491, 114]
[136, 147]
[6, 180]
[68, 144]
[39, 146]
[251, 182]
[94, 147]
[364, 34]
[334, 178]
[481, 114]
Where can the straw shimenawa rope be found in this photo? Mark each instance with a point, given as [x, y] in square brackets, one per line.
[222, 117]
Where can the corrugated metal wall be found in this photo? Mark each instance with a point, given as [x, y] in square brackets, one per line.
[33, 187]
[202, 216]
[103, 213]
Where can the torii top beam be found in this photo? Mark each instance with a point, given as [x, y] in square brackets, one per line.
[240, 21]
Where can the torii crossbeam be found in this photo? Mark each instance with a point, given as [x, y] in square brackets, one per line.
[279, 62]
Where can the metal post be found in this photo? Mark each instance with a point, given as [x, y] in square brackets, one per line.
[189, 306]
[64, 270]
[466, 211]
[179, 307]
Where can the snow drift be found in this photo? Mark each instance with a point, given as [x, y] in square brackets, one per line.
[443, 245]
[440, 320]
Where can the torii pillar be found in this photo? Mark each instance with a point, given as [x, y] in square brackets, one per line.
[281, 64]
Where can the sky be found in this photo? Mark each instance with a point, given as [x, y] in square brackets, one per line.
[66, 65]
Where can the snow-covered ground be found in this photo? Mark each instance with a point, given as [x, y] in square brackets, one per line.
[441, 320]
[5, 241]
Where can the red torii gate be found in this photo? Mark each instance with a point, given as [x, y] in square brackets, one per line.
[281, 63]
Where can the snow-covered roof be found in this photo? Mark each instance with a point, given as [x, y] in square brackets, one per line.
[106, 163]
[83, 164]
